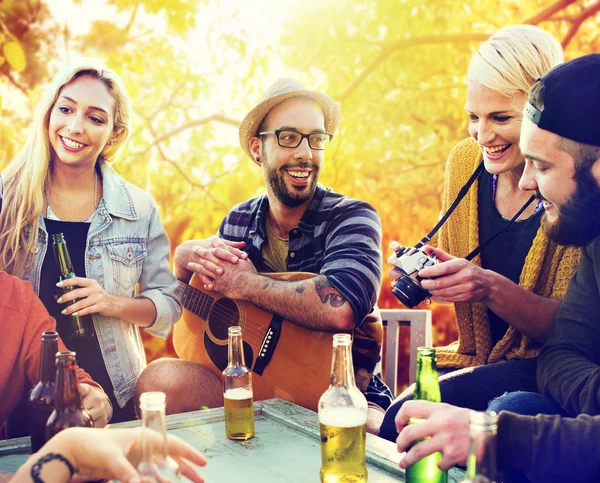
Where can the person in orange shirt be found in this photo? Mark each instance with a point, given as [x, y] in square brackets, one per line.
[24, 318]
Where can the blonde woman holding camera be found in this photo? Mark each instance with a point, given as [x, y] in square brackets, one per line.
[507, 297]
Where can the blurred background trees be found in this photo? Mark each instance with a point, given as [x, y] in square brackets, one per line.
[195, 67]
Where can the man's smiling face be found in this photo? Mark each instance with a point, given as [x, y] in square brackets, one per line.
[292, 173]
[569, 188]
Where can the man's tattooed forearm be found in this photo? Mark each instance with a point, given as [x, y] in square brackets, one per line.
[328, 293]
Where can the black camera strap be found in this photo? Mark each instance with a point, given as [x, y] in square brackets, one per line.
[461, 194]
[489, 240]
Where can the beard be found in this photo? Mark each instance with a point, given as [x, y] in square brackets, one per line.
[578, 221]
[296, 195]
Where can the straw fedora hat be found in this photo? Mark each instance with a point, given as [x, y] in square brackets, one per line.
[281, 90]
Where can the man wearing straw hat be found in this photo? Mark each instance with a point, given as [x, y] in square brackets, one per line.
[297, 226]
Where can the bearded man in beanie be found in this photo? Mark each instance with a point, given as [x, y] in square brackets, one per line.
[560, 139]
[297, 226]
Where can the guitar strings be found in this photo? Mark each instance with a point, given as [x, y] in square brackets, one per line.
[222, 315]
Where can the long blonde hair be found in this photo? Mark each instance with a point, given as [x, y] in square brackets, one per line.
[512, 59]
[26, 176]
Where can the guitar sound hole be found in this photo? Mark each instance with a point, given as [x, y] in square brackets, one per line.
[223, 315]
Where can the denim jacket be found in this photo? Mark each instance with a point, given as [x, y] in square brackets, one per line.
[126, 245]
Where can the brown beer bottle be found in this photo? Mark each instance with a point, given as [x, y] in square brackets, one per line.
[78, 326]
[68, 409]
[41, 398]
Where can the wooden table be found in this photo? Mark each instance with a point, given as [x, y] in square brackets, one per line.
[285, 448]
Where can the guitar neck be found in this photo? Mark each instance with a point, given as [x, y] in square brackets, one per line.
[197, 302]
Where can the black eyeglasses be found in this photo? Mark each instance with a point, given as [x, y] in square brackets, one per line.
[292, 139]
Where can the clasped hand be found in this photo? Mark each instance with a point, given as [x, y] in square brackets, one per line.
[220, 264]
[451, 280]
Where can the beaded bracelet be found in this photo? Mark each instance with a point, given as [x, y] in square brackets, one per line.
[37, 467]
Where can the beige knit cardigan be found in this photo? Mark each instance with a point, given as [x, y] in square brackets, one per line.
[547, 270]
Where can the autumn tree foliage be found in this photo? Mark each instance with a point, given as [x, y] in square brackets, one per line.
[194, 67]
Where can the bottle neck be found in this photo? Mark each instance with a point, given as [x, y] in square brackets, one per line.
[63, 258]
[481, 462]
[236, 350]
[48, 360]
[342, 369]
[154, 419]
[66, 393]
[427, 386]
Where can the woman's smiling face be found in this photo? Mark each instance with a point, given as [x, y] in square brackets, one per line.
[495, 123]
[81, 121]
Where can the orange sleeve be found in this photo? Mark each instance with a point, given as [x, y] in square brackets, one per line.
[37, 320]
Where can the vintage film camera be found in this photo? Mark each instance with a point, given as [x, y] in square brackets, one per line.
[411, 260]
[407, 288]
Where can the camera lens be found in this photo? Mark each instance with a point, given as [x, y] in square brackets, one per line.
[408, 291]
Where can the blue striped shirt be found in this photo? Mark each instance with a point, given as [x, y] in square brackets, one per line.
[337, 236]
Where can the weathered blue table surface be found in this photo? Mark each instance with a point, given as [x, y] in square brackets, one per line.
[285, 449]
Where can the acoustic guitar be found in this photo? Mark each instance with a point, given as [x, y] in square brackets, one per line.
[287, 361]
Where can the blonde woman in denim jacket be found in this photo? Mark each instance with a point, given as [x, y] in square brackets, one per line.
[62, 181]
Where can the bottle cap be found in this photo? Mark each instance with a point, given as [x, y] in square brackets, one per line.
[153, 401]
[426, 351]
[342, 339]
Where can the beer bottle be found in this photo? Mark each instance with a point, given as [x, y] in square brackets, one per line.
[481, 462]
[427, 388]
[237, 390]
[68, 409]
[156, 464]
[343, 420]
[78, 326]
[41, 398]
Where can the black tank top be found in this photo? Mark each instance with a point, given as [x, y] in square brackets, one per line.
[89, 353]
[506, 254]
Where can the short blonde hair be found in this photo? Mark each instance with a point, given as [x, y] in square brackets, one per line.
[512, 59]
[26, 176]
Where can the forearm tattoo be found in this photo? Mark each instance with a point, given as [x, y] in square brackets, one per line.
[271, 283]
[328, 293]
[36, 469]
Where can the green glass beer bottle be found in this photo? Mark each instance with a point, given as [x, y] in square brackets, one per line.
[237, 390]
[156, 465]
[343, 420]
[41, 398]
[427, 388]
[481, 462]
[78, 327]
